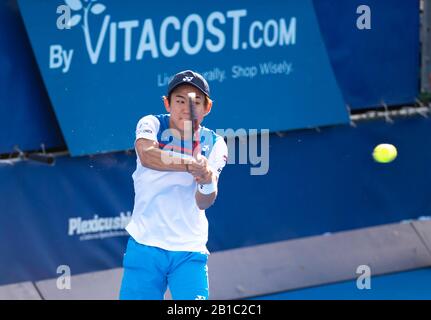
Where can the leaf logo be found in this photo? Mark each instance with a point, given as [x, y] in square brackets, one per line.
[91, 6]
[81, 10]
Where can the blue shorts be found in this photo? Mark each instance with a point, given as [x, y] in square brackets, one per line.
[148, 271]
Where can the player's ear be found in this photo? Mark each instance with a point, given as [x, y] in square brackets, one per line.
[166, 103]
[208, 106]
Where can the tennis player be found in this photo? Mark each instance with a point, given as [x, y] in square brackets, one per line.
[169, 229]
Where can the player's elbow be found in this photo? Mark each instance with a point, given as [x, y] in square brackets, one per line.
[144, 149]
[143, 158]
[144, 155]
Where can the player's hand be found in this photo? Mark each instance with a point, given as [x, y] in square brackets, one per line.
[197, 154]
[201, 171]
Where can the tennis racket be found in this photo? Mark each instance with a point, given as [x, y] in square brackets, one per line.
[195, 125]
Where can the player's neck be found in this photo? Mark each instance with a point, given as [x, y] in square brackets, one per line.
[176, 132]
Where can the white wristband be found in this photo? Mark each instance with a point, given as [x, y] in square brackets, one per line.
[207, 188]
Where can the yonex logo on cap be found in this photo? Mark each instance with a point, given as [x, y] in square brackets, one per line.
[191, 78]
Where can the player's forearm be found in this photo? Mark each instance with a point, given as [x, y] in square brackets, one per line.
[161, 160]
[204, 201]
[206, 193]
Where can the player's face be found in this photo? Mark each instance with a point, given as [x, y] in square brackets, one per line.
[179, 106]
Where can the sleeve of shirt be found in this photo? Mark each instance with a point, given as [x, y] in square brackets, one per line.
[147, 128]
[218, 156]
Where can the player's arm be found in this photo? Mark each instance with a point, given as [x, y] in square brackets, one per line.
[206, 173]
[204, 201]
[154, 158]
[206, 180]
[147, 148]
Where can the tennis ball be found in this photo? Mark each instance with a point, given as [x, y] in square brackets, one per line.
[385, 153]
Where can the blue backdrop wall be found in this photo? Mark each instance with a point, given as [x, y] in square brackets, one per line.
[74, 212]
[371, 65]
[26, 117]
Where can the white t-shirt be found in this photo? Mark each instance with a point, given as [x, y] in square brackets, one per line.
[165, 213]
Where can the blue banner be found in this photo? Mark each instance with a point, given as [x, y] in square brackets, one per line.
[107, 63]
[363, 62]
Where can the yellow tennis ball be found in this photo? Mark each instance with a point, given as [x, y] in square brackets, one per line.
[385, 153]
